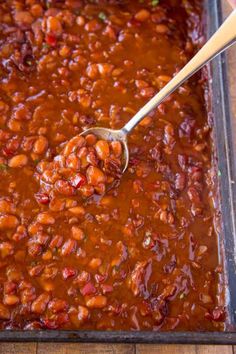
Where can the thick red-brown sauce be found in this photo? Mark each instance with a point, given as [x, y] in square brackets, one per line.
[142, 254]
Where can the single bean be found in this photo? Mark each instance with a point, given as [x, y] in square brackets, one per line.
[14, 125]
[83, 313]
[47, 285]
[53, 26]
[57, 204]
[18, 161]
[47, 255]
[28, 295]
[73, 162]
[142, 15]
[102, 149]
[205, 298]
[57, 305]
[95, 176]
[146, 122]
[162, 29]
[92, 26]
[11, 300]
[40, 145]
[92, 71]
[23, 18]
[45, 218]
[13, 274]
[91, 139]
[95, 263]
[9, 288]
[70, 203]
[8, 222]
[40, 303]
[64, 51]
[69, 247]
[77, 233]
[201, 250]
[87, 190]
[78, 211]
[79, 316]
[140, 84]
[96, 302]
[36, 10]
[80, 21]
[105, 69]
[147, 92]
[75, 143]
[116, 148]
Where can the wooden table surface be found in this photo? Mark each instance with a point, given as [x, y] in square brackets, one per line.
[80, 348]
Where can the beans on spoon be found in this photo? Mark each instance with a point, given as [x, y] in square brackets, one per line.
[85, 166]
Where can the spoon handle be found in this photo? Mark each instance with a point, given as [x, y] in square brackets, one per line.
[224, 37]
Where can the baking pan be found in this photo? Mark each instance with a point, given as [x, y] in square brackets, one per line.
[223, 144]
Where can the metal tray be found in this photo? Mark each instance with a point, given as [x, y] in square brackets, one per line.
[223, 142]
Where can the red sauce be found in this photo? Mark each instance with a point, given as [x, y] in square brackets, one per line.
[141, 254]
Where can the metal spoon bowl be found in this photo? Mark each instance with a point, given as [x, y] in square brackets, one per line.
[221, 40]
[112, 135]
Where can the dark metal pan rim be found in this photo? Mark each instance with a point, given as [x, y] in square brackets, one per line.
[119, 337]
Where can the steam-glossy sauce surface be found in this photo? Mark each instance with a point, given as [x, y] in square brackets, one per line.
[143, 254]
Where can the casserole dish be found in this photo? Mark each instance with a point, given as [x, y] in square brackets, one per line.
[223, 154]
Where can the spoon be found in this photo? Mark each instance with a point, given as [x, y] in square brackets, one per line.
[223, 38]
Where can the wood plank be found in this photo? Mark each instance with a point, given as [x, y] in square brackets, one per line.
[82, 348]
[18, 348]
[214, 349]
[165, 349]
[183, 349]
